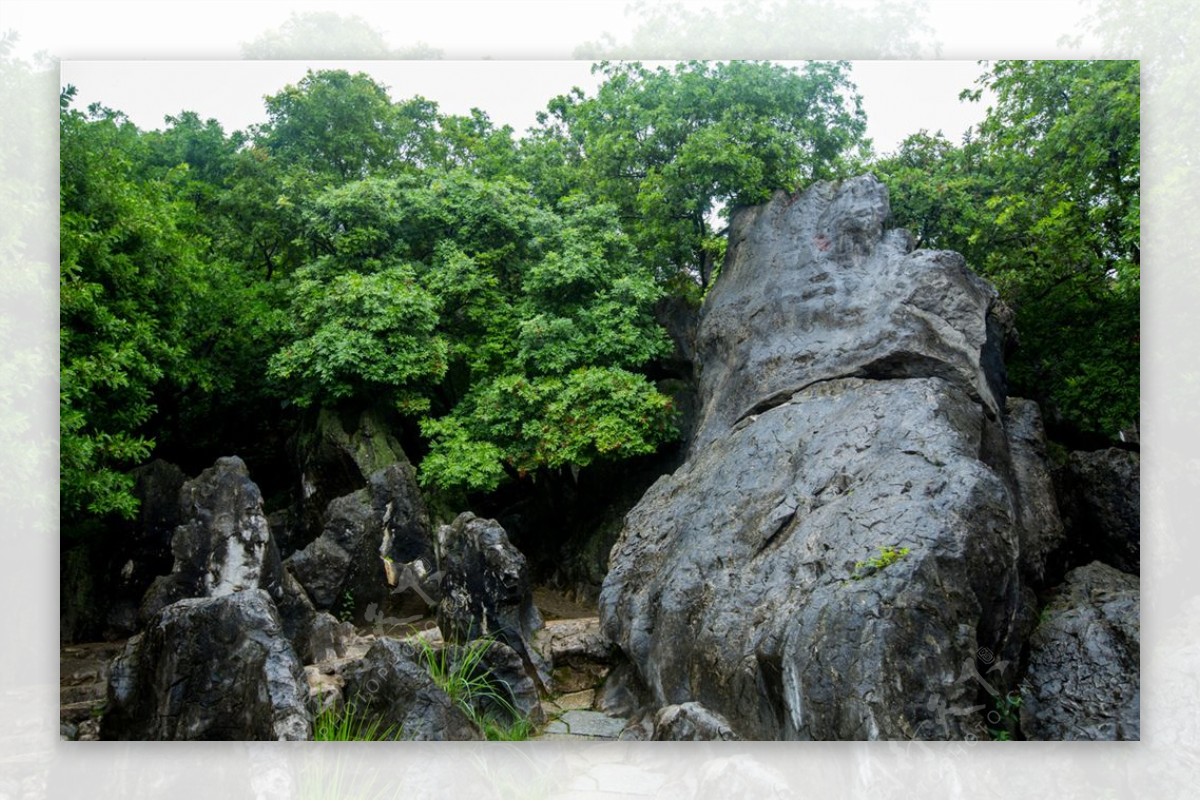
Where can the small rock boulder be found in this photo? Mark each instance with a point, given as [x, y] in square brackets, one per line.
[580, 655]
[691, 721]
[209, 669]
[1083, 677]
[327, 638]
[389, 684]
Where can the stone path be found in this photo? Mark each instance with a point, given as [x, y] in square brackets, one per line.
[583, 724]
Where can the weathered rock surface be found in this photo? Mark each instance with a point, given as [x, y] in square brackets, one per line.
[691, 721]
[485, 588]
[390, 684]
[845, 535]
[1041, 527]
[579, 654]
[1083, 682]
[376, 544]
[214, 668]
[1102, 506]
[336, 457]
[224, 546]
[813, 289]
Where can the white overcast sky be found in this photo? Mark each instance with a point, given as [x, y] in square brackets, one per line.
[900, 97]
[187, 55]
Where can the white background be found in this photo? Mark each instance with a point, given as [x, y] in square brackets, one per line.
[32, 760]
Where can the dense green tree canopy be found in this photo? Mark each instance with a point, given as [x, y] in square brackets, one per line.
[497, 293]
[127, 278]
[672, 146]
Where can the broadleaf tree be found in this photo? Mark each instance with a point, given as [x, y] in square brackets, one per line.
[673, 147]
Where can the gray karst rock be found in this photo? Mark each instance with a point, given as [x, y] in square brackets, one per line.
[813, 289]
[1083, 677]
[376, 547]
[845, 537]
[214, 668]
[1037, 508]
[327, 638]
[1102, 506]
[691, 721]
[224, 546]
[486, 590]
[389, 684]
[335, 458]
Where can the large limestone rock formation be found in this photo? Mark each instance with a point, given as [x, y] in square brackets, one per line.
[224, 544]
[214, 668]
[850, 531]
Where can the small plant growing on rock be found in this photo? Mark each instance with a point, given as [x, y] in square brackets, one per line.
[1004, 720]
[887, 556]
[345, 609]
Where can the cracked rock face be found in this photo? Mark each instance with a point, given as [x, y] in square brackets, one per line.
[209, 669]
[846, 534]
[813, 289]
[1083, 677]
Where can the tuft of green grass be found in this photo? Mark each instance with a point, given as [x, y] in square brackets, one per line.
[348, 724]
[471, 688]
[520, 728]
